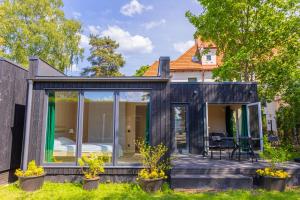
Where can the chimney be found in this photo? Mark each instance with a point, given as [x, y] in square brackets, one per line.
[164, 67]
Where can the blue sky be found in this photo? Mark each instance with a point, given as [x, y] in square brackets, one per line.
[144, 29]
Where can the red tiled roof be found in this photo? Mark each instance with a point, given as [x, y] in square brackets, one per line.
[185, 63]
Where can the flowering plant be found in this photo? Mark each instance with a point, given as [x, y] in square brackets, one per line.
[94, 163]
[32, 170]
[152, 159]
[272, 172]
[274, 156]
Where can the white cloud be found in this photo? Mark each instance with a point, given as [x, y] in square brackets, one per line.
[76, 15]
[128, 43]
[183, 46]
[95, 30]
[134, 7]
[153, 24]
[84, 41]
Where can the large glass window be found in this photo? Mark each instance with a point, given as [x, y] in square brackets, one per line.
[107, 122]
[134, 113]
[98, 123]
[61, 132]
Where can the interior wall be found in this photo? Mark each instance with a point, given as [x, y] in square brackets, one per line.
[141, 112]
[122, 117]
[65, 118]
[85, 122]
[100, 122]
[130, 128]
[216, 119]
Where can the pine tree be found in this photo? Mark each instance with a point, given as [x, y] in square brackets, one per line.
[104, 60]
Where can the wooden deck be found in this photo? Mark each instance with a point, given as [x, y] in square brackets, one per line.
[195, 171]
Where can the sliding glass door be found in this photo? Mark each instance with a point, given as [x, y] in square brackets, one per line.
[179, 115]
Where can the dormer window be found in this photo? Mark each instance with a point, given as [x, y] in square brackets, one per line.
[209, 57]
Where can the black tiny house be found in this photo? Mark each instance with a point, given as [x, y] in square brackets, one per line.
[13, 90]
[68, 117]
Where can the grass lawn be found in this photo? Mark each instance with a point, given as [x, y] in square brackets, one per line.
[131, 191]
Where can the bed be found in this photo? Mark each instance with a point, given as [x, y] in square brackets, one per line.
[65, 147]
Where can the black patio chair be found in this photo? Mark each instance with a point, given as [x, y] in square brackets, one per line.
[215, 144]
[245, 144]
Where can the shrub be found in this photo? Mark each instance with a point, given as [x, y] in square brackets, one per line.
[32, 170]
[274, 155]
[92, 165]
[152, 159]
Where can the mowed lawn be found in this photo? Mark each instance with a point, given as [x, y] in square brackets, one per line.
[132, 191]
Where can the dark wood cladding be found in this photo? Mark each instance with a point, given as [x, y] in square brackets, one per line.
[160, 104]
[196, 94]
[163, 95]
[214, 92]
[78, 171]
[13, 89]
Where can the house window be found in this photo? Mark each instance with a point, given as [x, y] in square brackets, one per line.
[192, 79]
[134, 113]
[208, 57]
[97, 134]
[109, 123]
[61, 131]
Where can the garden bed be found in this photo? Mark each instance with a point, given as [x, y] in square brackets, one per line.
[132, 191]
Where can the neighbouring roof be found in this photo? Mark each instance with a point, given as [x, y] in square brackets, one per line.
[185, 63]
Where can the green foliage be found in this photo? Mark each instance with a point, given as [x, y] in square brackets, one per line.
[32, 170]
[104, 60]
[58, 191]
[141, 71]
[273, 154]
[288, 115]
[152, 159]
[259, 40]
[39, 28]
[94, 164]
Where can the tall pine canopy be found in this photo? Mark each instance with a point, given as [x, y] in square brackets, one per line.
[259, 40]
[104, 60]
[39, 28]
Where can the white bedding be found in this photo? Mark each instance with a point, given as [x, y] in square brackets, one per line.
[63, 144]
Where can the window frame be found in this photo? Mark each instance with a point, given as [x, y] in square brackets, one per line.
[80, 113]
[208, 56]
[192, 79]
[45, 117]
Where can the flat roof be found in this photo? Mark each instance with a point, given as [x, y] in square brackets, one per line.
[98, 79]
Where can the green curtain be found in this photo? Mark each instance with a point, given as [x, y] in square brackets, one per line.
[229, 121]
[244, 129]
[147, 132]
[50, 128]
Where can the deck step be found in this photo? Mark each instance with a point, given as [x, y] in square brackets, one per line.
[213, 171]
[192, 181]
